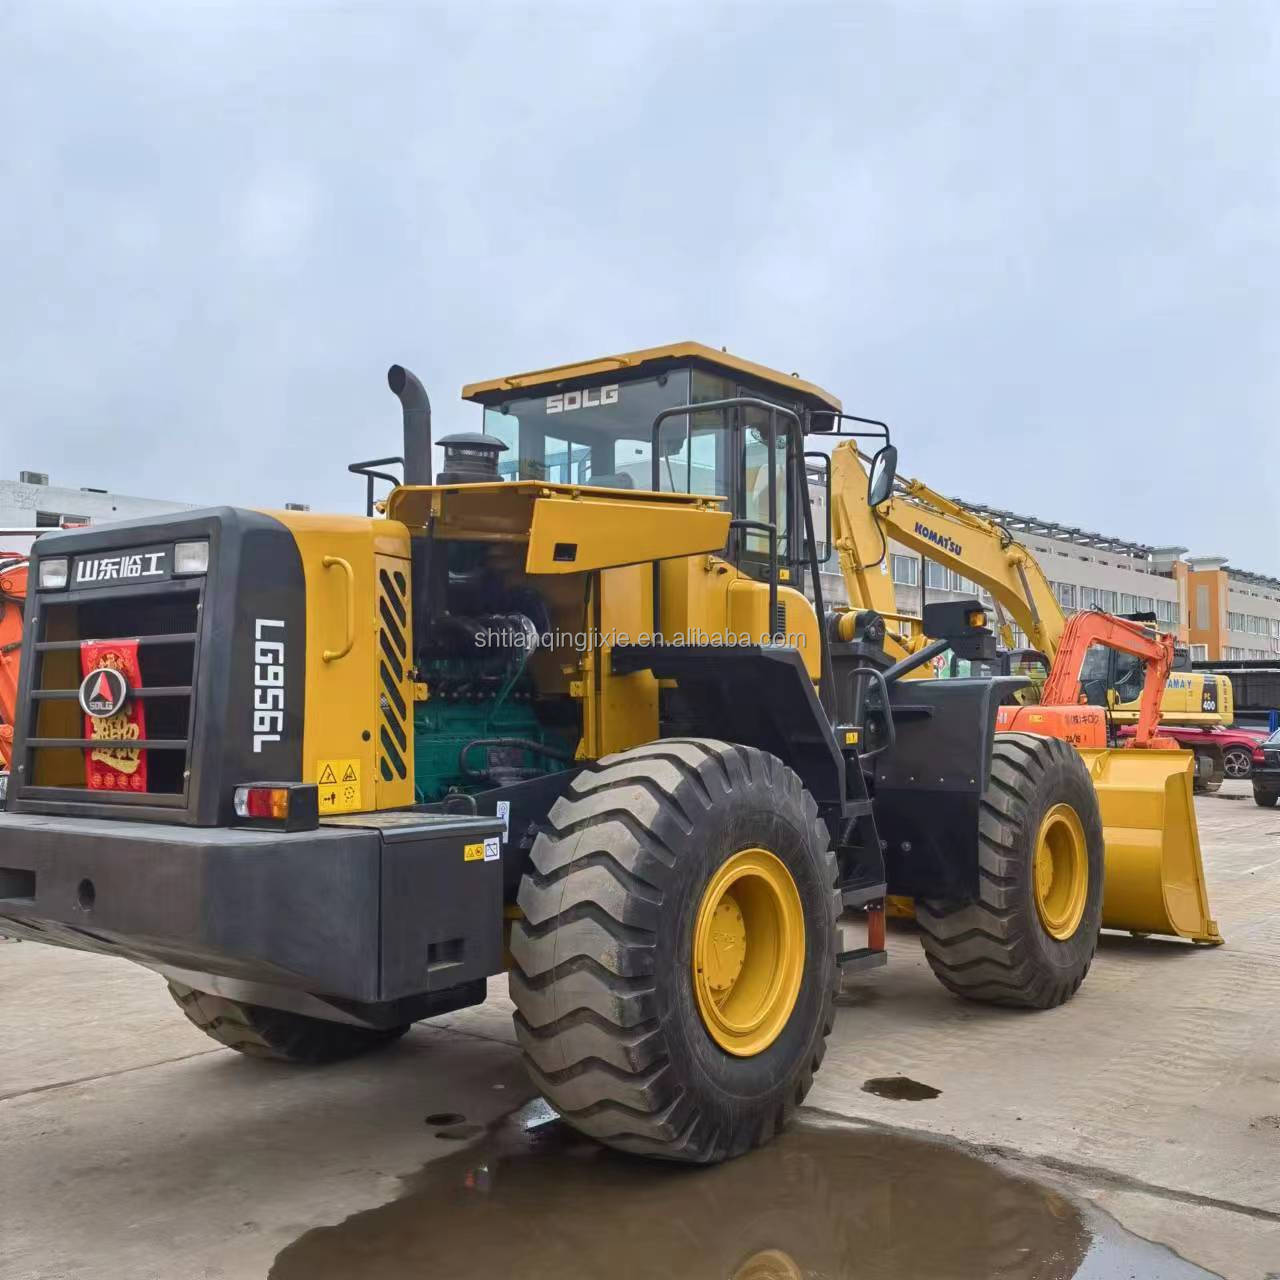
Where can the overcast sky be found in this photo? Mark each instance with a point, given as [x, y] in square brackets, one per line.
[1040, 238]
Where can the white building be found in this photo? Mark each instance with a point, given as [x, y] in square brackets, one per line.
[31, 503]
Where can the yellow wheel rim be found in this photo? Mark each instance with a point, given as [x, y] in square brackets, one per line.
[1061, 872]
[748, 952]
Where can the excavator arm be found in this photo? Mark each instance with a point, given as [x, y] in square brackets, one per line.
[921, 519]
[925, 521]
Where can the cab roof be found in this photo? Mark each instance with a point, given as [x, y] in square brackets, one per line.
[651, 359]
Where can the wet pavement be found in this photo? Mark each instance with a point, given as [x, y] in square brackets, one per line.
[133, 1148]
[534, 1200]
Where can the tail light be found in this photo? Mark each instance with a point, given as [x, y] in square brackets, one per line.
[282, 806]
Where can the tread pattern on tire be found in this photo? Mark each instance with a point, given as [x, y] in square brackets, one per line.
[259, 1032]
[583, 978]
[984, 950]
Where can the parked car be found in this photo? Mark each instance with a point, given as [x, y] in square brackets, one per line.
[1266, 772]
[1220, 752]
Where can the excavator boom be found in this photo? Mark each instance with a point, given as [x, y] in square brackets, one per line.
[932, 525]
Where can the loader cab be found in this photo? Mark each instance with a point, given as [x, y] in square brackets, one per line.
[593, 425]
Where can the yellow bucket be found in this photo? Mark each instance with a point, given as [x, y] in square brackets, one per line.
[1154, 878]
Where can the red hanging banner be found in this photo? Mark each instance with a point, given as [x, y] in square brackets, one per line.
[111, 672]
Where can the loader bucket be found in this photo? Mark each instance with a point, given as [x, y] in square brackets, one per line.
[1154, 878]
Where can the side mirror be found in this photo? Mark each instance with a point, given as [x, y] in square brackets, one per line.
[884, 470]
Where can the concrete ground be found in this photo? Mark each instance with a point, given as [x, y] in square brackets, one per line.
[132, 1148]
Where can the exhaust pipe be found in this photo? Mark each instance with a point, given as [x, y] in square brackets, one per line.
[416, 409]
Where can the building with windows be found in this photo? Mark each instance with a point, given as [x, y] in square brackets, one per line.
[1217, 611]
[32, 503]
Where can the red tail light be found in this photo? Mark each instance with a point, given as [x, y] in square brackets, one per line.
[291, 806]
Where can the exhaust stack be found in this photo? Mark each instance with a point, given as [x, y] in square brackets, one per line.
[416, 409]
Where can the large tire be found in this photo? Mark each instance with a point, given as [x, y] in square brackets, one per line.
[259, 1032]
[603, 980]
[998, 949]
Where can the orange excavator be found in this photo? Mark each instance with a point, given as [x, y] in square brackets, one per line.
[13, 594]
[1063, 711]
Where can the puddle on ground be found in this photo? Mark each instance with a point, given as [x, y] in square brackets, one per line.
[900, 1089]
[534, 1200]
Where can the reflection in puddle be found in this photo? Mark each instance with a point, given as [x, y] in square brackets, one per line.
[533, 1200]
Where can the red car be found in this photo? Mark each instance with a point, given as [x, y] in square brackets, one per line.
[1220, 753]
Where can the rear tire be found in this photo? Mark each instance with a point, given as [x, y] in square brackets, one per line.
[603, 980]
[1264, 799]
[998, 950]
[259, 1032]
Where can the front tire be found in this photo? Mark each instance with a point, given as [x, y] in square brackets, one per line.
[676, 849]
[1029, 938]
[1264, 799]
[259, 1032]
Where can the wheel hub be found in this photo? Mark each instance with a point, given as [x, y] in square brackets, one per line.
[748, 951]
[726, 946]
[1060, 872]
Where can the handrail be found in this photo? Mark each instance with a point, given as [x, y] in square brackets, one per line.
[770, 531]
[329, 562]
[366, 469]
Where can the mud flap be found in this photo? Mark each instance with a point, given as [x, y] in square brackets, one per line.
[1154, 880]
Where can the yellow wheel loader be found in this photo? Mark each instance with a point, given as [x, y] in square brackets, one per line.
[1155, 879]
[564, 710]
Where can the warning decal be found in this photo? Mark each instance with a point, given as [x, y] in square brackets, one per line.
[473, 852]
[339, 786]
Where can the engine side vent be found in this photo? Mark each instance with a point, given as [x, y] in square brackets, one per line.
[395, 759]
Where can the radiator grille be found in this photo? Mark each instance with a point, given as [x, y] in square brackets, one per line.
[164, 622]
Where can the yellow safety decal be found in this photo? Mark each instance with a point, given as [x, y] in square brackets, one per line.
[784, 575]
[488, 850]
[851, 737]
[339, 785]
